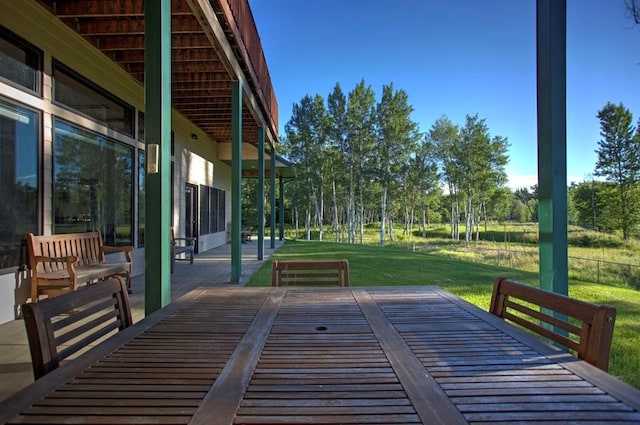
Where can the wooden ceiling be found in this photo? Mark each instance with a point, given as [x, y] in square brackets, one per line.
[201, 77]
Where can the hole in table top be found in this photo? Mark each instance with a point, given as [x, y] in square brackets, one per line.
[321, 328]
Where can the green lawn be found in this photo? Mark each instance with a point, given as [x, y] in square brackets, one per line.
[370, 265]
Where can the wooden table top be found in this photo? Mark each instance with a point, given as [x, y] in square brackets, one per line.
[358, 355]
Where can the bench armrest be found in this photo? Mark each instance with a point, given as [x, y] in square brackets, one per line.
[189, 240]
[70, 262]
[126, 249]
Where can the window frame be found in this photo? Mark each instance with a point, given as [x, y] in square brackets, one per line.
[58, 66]
[27, 47]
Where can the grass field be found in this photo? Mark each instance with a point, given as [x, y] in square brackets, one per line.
[473, 281]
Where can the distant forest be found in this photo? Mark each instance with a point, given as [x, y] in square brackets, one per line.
[361, 160]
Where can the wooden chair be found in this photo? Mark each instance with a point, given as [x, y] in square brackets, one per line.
[587, 330]
[61, 326]
[310, 273]
[181, 246]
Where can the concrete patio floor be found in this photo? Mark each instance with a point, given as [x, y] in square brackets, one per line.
[210, 268]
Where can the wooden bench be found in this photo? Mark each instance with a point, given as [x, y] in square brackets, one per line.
[310, 273]
[61, 326]
[181, 246]
[59, 263]
[587, 330]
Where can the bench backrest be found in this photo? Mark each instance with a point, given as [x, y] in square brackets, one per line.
[87, 247]
[61, 326]
[584, 328]
[310, 273]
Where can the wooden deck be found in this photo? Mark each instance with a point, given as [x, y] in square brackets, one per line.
[324, 355]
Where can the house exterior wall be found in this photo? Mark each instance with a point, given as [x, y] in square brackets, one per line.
[195, 158]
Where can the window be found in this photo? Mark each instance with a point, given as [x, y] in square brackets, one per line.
[19, 140]
[212, 210]
[141, 126]
[218, 211]
[205, 205]
[20, 62]
[71, 90]
[93, 187]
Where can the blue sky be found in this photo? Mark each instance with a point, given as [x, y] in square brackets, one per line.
[457, 58]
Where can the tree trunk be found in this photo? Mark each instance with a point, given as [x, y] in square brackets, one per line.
[336, 223]
[296, 218]
[307, 220]
[424, 219]
[321, 213]
[361, 207]
[383, 214]
[469, 223]
[351, 209]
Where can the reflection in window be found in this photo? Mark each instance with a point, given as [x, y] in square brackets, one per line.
[212, 210]
[18, 180]
[204, 210]
[93, 188]
[73, 91]
[20, 62]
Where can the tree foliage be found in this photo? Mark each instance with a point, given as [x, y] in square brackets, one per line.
[366, 160]
[362, 160]
[619, 162]
[633, 8]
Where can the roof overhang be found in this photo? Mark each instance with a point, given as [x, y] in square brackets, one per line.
[208, 38]
[284, 168]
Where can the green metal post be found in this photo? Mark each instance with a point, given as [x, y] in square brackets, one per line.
[552, 156]
[236, 181]
[157, 84]
[273, 198]
[281, 203]
[260, 200]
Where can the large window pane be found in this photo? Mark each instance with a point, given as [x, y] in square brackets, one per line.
[212, 210]
[76, 92]
[220, 211]
[204, 210]
[20, 63]
[18, 180]
[93, 187]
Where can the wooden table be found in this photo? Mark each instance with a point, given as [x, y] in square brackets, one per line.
[323, 355]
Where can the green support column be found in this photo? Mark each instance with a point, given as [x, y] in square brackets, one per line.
[281, 215]
[273, 198]
[260, 200]
[236, 181]
[552, 156]
[157, 283]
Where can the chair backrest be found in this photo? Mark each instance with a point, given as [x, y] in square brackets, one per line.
[310, 273]
[86, 247]
[61, 326]
[584, 328]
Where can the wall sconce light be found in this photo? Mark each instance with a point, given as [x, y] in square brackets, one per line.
[153, 150]
[194, 136]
